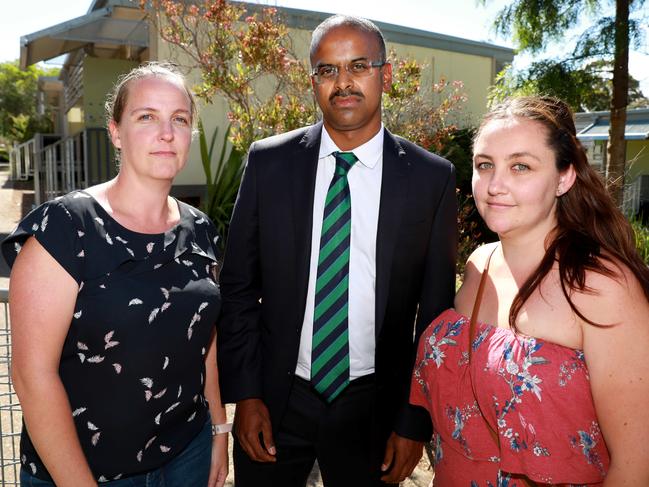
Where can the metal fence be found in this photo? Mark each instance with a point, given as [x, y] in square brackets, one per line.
[631, 203]
[59, 165]
[10, 414]
[21, 160]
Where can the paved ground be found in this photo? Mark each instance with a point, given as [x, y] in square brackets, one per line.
[421, 477]
[16, 199]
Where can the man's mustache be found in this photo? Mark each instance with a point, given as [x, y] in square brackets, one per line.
[346, 93]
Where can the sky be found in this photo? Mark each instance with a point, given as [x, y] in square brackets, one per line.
[462, 18]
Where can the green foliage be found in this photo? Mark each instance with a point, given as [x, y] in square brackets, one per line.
[598, 40]
[587, 88]
[457, 147]
[467, 230]
[19, 120]
[536, 23]
[582, 76]
[422, 114]
[222, 187]
[641, 238]
[244, 56]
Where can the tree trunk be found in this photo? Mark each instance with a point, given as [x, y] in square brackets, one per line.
[616, 164]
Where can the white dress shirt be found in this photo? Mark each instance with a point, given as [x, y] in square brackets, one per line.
[365, 187]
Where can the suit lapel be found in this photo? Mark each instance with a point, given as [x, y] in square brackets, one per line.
[393, 195]
[304, 164]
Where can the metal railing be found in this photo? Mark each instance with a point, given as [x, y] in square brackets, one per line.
[632, 193]
[10, 413]
[21, 160]
[62, 164]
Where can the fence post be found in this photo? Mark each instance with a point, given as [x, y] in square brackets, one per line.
[10, 414]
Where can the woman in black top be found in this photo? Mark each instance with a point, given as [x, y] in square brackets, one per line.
[113, 305]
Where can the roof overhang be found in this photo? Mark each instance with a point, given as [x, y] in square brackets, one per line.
[97, 27]
[309, 19]
[50, 84]
[634, 130]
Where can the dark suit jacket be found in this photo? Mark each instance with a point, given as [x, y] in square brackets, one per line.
[266, 271]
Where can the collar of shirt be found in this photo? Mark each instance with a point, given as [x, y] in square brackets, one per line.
[368, 154]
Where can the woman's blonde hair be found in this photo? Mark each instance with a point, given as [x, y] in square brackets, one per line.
[116, 100]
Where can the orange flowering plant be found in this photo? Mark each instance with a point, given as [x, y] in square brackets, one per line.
[244, 53]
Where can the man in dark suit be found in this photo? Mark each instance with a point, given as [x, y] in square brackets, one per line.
[341, 250]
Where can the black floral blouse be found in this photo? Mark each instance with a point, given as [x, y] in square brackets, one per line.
[133, 359]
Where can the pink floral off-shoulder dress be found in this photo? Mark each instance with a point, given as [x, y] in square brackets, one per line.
[534, 394]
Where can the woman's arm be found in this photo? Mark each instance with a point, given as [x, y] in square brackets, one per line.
[42, 298]
[219, 465]
[618, 361]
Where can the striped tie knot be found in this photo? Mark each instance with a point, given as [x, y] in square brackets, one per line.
[344, 162]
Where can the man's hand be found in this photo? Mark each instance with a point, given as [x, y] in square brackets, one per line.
[401, 458]
[250, 419]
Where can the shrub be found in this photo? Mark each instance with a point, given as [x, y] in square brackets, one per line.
[641, 239]
[223, 184]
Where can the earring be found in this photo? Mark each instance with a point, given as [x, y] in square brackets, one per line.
[559, 191]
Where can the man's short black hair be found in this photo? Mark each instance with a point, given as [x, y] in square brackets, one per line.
[358, 23]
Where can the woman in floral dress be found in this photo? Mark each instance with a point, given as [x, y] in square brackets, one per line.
[113, 303]
[550, 383]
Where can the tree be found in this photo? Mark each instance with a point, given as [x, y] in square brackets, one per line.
[535, 23]
[19, 119]
[585, 89]
[426, 115]
[247, 58]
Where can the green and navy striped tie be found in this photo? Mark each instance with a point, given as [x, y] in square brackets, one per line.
[330, 346]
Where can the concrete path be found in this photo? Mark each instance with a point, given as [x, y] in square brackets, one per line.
[16, 200]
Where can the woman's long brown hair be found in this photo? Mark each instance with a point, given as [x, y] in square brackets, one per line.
[590, 229]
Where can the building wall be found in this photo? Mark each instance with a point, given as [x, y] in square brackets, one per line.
[213, 116]
[637, 156]
[74, 120]
[636, 192]
[476, 72]
[99, 76]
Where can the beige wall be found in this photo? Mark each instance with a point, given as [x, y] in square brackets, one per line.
[99, 76]
[637, 155]
[212, 115]
[74, 120]
[474, 71]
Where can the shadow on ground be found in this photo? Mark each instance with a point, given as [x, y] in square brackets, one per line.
[20, 185]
